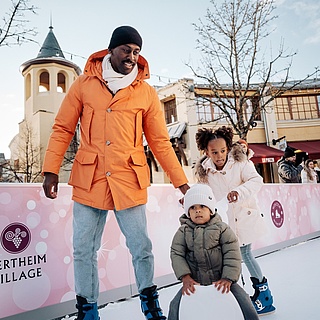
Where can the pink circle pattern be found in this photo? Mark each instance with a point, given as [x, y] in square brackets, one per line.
[50, 223]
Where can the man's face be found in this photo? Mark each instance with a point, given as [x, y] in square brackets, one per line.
[124, 58]
[291, 159]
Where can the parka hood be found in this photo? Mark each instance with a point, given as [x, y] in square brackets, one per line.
[93, 66]
[235, 155]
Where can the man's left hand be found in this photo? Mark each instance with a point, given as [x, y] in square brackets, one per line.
[184, 188]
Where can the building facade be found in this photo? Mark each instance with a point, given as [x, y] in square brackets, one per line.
[290, 119]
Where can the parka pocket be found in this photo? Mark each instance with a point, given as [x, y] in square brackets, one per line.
[86, 122]
[83, 170]
[139, 165]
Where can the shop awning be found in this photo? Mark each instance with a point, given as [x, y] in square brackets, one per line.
[312, 148]
[264, 153]
[175, 130]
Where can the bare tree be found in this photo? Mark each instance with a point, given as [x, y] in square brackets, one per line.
[14, 28]
[233, 63]
[71, 151]
[3, 167]
[25, 165]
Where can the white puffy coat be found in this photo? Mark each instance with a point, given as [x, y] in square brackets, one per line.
[239, 174]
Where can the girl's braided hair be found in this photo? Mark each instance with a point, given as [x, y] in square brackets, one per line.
[204, 135]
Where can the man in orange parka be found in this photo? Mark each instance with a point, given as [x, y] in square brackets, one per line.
[110, 172]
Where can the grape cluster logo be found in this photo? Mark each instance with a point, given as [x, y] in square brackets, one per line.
[277, 214]
[15, 237]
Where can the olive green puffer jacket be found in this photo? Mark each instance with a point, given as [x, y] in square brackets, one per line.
[207, 252]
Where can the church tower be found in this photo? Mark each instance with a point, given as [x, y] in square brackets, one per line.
[47, 78]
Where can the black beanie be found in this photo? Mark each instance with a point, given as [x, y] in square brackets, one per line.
[289, 152]
[125, 35]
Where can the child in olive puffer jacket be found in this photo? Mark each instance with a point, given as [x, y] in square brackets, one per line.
[205, 250]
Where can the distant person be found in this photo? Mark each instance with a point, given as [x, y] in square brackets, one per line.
[115, 106]
[246, 150]
[205, 251]
[229, 173]
[316, 169]
[287, 171]
[308, 174]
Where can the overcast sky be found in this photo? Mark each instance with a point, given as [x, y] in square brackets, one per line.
[83, 27]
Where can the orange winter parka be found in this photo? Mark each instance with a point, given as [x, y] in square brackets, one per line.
[110, 168]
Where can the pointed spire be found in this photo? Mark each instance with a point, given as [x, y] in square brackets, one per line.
[50, 52]
[50, 47]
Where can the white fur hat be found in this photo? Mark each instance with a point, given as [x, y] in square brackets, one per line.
[199, 194]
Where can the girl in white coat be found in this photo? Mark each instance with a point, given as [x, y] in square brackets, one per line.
[227, 170]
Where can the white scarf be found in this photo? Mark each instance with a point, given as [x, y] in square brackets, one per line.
[115, 80]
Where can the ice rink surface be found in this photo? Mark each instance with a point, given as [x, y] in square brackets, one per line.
[293, 278]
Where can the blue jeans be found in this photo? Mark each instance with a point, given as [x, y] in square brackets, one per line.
[246, 306]
[88, 226]
[251, 263]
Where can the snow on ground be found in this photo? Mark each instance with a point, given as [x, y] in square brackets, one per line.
[293, 280]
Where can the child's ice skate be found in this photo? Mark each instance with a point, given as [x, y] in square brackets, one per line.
[262, 298]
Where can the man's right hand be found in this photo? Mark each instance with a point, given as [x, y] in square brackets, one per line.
[50, 185]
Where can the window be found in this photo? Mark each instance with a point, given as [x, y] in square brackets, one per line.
[210, 109]
[61, 82]
[205, 108]
[16, 164]
[44, 82]
[297, 107]
[170, 111]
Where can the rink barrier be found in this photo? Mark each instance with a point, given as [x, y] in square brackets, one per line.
[36, 270]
